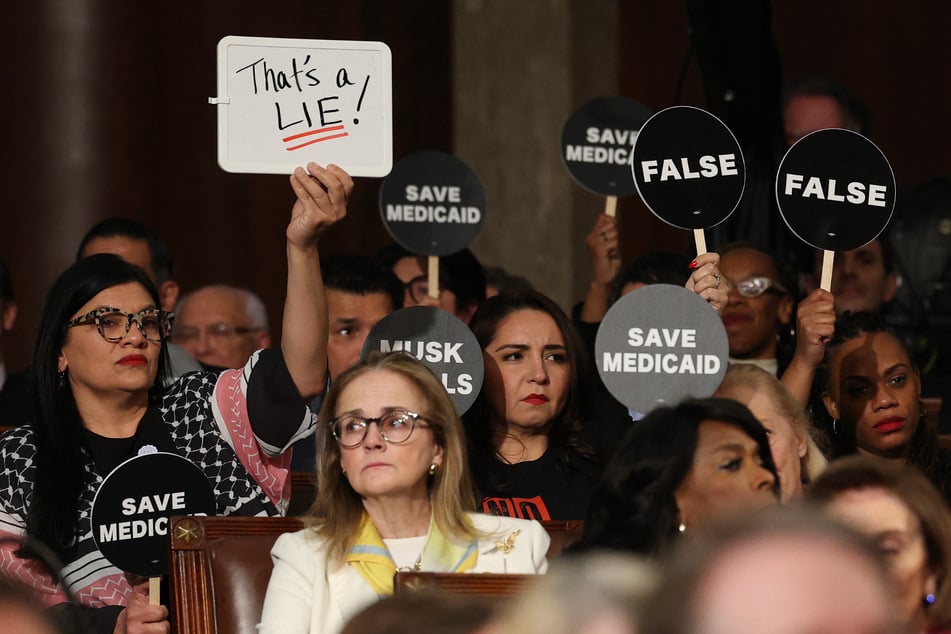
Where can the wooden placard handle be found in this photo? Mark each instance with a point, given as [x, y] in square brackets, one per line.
[700, 241]
[434, 276]
[610, 206]
[155, 590]
[828, 257]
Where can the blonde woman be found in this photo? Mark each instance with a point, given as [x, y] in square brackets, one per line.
[797, 457]
[393, 492]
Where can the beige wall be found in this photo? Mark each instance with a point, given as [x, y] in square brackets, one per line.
[520, 70]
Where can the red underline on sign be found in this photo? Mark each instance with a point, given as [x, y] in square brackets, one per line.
[312, 132]
[326, 138]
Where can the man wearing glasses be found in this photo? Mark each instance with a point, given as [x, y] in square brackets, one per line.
[221, 326]
[461, 280]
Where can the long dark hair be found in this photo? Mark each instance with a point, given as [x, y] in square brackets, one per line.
[634, 507]
[54, 508]
[923, 450]
[565, 432]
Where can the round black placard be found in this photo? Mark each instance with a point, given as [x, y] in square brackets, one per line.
[432, 203]
[835, 190]
[441, 341]
[131, 509]
[688, 168]
[596, 144]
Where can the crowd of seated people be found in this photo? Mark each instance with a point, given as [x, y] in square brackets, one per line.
[813, 472]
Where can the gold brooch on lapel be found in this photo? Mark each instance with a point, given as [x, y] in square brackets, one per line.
[507, 545]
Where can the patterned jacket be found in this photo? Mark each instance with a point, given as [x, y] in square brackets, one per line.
[235, 426]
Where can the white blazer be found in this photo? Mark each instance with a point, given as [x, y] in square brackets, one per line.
[304, 597]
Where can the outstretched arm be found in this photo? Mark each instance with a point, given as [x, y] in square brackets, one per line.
[815, 325]
[603, 251]
[322, 196]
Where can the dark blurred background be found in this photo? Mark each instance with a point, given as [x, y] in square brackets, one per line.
[107, 114]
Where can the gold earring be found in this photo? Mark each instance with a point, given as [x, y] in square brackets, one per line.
[433, 468]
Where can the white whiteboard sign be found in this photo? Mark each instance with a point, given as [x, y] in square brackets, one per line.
[285, 102]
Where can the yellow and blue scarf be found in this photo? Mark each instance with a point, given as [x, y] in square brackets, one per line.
[370, 557]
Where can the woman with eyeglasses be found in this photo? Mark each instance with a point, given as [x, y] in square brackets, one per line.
[759, 308]
[393, 493]
[98, 369]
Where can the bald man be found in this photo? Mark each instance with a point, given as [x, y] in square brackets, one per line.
[221, 326]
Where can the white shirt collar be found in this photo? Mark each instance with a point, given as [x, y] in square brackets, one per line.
[770, 365]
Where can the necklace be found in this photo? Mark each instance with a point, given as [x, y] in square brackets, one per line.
[416, 567]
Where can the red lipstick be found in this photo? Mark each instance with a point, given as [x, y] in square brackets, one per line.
[889, 425]
[133, 359]
[536, 399]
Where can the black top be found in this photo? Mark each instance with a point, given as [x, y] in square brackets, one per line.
[548, 488]
[556, 486]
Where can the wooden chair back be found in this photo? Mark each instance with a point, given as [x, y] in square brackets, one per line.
[219, 569]
[485, 584]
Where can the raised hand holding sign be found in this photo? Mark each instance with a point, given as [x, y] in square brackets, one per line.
[836, 191]
[688, 169]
